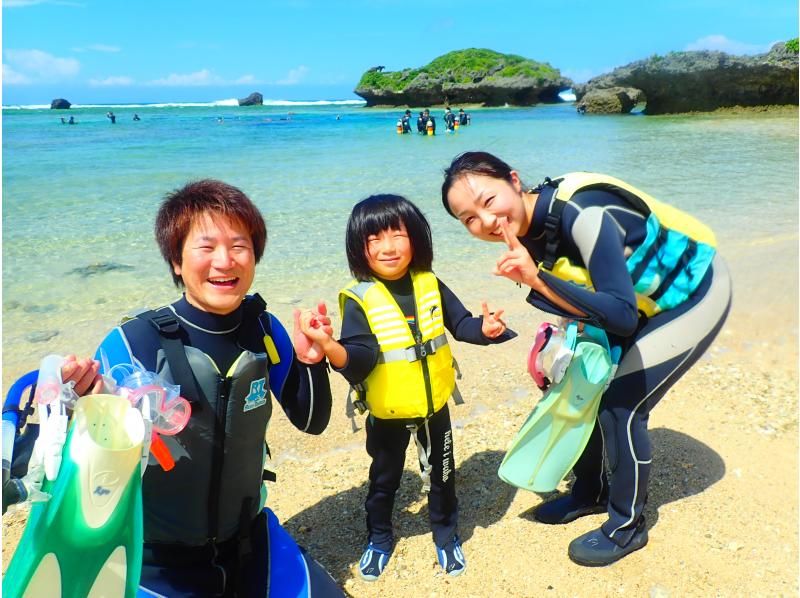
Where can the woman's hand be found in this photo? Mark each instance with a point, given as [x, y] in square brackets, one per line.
[84, 373]
[516, 264]
[492, 326]
[312, 328]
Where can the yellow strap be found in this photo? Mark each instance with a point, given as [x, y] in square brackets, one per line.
[272, 350]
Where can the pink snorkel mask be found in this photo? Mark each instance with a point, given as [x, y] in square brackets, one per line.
[551, 353]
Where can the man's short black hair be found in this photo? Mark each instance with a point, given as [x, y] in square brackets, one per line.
[376, 213]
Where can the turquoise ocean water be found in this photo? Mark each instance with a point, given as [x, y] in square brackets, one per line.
[77, 196]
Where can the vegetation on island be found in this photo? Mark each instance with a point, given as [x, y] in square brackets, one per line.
[792, 45]
[472, 65]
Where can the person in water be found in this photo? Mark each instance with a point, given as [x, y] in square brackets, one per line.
[205, 528]
[602, 228]
[394, 352]
[112, 117]
[421, 121]
[463, 117]
[449, 119]
[405, 122]
[136, 117]
[428, 119]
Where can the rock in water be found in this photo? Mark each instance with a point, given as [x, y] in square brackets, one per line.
[254, 99]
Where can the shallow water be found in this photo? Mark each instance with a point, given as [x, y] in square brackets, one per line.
[76, 196]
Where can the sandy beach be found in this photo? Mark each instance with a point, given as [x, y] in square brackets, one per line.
[723, 508]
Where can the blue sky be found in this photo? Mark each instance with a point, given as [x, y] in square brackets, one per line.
[99, 51]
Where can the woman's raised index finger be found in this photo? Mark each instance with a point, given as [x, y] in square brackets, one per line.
[511, 240]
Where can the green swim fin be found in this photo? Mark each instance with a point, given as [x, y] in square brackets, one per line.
[86, 540]
[553, 437]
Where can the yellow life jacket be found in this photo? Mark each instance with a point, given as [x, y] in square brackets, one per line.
[669, 264]
[413, 377]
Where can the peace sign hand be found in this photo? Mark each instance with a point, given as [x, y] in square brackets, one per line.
[516, 264]
[492, 326]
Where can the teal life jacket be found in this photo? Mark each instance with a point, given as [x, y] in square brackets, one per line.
[665, 269]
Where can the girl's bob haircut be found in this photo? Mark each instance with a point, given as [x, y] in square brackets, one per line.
[377, 213]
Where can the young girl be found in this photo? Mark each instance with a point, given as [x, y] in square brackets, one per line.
[394, 351]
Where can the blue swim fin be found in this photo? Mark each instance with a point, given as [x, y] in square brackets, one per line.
[553, 437]
[86, 539]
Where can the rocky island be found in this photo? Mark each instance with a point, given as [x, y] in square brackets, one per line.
[471, 76]
[695, 81]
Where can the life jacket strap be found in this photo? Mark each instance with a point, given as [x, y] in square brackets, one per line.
[168, 333]
[360, 404]
[415, 352]
[552, 232]
[651, 252]
[682, 265]
[457, 398]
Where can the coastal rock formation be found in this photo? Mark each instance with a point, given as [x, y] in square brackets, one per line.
[699, 81]
[613, 100]
[59, 104]
[254, 99]
[472, 76]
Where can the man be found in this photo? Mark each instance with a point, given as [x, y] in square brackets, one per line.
[205, 532]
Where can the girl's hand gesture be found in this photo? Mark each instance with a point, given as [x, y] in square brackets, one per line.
[311, 328]
[516, 264]
[492, 326]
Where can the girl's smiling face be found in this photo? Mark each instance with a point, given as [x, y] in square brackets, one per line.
[389, 253]
[217, 263]
[480, 202]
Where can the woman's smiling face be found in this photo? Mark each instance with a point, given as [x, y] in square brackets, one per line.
[217, 263]
[480, 202]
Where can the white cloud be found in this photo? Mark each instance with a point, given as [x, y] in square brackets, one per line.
[23, 3]
[202, 78]
[723, 44]
[97, 48]
[120, 81]
[12, 77]
[34, 66]
[198, 79]
[246, 80]
[294, 76]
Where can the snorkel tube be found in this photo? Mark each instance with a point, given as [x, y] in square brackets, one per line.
[14, 419]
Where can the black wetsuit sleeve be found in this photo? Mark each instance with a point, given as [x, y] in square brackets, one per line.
[306, 396]
[359, 342]
[462, 324]
[592, 235]
[303, 391]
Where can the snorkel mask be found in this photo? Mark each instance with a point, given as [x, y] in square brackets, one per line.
[551, 352]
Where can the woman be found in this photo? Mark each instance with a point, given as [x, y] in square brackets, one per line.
[594, 249]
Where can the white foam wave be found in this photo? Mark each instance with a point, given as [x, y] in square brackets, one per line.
[226, 102]
[27, 107]
[314, 102]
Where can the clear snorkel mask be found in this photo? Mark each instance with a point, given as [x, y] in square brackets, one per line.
[551, 353]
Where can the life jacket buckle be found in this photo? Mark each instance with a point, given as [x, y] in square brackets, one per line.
[166, 322]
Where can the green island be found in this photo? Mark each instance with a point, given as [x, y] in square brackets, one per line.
[470, 76]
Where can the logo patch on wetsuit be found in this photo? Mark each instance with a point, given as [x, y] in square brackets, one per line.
[257, 395]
